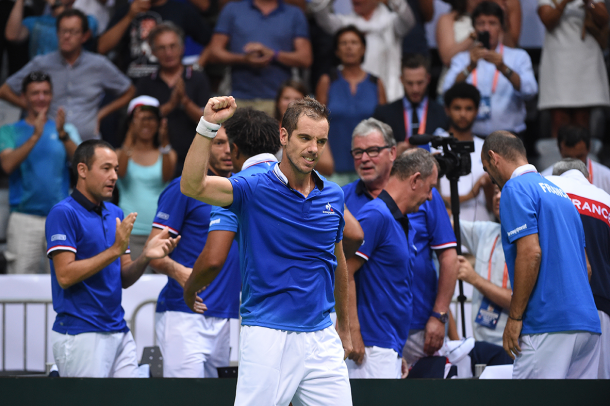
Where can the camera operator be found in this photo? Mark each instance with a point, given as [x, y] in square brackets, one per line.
[503, 75]
[475, 189]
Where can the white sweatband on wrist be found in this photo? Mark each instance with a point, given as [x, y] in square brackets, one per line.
[206, 129]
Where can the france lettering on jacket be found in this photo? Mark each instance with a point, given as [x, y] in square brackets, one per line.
[591, 208]
[554, 190]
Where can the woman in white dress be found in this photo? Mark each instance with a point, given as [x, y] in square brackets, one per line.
[573, 76]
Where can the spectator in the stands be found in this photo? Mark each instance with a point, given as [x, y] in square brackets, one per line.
[384, 28]
[15, 52]
[415, 42]
[573, 76]
[80, 78]
[35, 152]
[351, 94]
[575, 142]
[130, 26]
[102, 10]
[415, 113]
[181, 90]
[261, 40]
[503, 75]
[40, 30]
[290, 91]
[146, 164]
[489, 277]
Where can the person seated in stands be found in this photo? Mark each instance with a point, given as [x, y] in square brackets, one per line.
[35, 153]
[80, 78]
[262, 40]
[575, 142]
[489, 277]
[40, 30]
[415, 113]
[88, 246]
[130, 26]
[503, 75]
[181, 90]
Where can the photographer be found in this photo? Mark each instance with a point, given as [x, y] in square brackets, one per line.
[503, 75]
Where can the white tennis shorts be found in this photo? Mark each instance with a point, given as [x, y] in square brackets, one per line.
[277, 367]
[604, 348]
[379, 363]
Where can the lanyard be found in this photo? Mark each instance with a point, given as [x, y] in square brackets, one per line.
[422, 123]
[590, 167]
[496, 75]
[505, 277]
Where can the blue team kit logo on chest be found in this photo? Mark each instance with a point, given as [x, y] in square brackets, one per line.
[329, 209]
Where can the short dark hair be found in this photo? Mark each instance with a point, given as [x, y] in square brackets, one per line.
[72, 12]
[253, 131]
[488, 8]
[459, 6]
[290, 83]
[571, 135]
[504, 144]
[413, 161]
[462, 90]
[308, 107]
[414, 61]
[34, 77]
[165, 26]
[85, 151]
[338, 34]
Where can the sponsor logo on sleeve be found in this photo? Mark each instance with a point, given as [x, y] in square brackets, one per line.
[216, 221]
[58, 237]
[517, 230]
[163, 216]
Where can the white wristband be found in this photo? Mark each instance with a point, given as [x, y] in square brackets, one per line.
[206, 129]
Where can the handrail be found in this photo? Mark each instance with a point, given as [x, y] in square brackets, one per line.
[132, 322]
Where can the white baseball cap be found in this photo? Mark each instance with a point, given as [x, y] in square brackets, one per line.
[142, 101]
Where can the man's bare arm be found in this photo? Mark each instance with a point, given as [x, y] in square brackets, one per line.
[13, 98]
[353, 265]
[342, 301]
[353, 236]
[195, 183]
[168, 266]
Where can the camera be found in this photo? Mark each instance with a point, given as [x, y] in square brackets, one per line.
[454, 162]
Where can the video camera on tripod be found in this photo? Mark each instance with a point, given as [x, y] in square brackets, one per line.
[454, 162]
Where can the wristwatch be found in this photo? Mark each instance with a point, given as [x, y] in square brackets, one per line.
[442, 316]
[63, 136]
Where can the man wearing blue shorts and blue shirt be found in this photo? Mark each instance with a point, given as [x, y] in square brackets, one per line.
[291, 227]
[553, 329]
[87, 241]
[381, 273]
[254, 137]
[433, 232]
[192, 345]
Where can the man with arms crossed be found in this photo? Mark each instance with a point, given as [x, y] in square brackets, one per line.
[87, 242]
[381, 317]
[593, 204]
[287, 275]
[192, 345]
[553, 328]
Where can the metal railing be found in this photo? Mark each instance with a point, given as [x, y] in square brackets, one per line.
[25, 304]
[47, 303]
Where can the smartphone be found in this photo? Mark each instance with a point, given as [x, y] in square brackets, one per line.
[483, 38]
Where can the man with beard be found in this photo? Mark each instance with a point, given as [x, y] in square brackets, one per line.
[415, 113]
[475, 189]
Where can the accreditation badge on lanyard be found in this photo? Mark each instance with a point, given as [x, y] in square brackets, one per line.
[489, 312]
[422, 124]
[484, 112]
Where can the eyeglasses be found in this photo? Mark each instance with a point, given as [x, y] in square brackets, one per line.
[71, 32]
[372, 152]
[38, 76]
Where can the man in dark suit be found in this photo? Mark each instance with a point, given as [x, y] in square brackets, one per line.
[415, 113]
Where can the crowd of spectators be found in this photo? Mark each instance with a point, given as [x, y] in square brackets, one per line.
[138, 73]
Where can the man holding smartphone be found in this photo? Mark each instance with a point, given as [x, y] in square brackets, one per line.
[503, 75]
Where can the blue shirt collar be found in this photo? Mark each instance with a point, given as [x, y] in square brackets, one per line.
[406, 103]
[362, 190]
[86, 203]
[396, 213]
[280, 7]
[316, 178]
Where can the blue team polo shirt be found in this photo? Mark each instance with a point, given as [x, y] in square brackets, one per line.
[287, 250]
[190, 218]
[43, 178]
[94, 305]
[222, 219]
[383, 284]
[433, 231]
[562, 298]
[243, 23]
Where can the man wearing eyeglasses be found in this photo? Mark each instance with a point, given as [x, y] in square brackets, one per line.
[35, 152]
[80, 78]
[374, 152]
